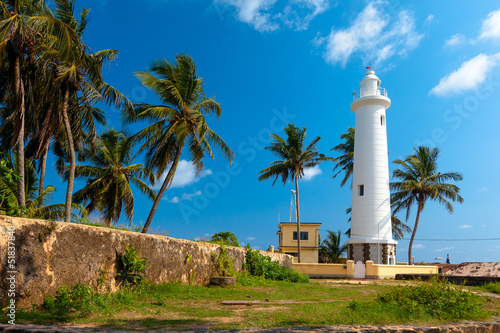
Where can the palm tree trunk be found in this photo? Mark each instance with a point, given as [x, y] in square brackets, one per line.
[72, 161]
[298, 214]
[19, 89]
[43, 164]
[164, 186]
[419, 210]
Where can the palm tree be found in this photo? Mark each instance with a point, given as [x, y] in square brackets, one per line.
[331, 248]
[294, 157]
[177, 123]
[37, 204]
[108, 187]
[79, 73]
[346, 160]
[420, 181]
[23, 24]
[399, 228]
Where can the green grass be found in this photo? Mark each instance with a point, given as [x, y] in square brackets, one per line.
[177, 306]
[492, 287]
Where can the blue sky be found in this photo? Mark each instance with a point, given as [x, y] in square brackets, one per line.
[271, 62]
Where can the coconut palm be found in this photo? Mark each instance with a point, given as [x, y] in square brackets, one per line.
[23, 23]
[178, 122]
[37, 204]
[346, 160]
[110, 176]
[79, 74]
[294, 157]
[419, 181]
[330, 248]
[399, 228]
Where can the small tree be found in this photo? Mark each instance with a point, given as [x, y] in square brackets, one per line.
[225, 238]
[331, 250]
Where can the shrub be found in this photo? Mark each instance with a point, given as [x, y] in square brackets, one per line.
[133, 266]
[70, 299]
[434, 299]
[225, 238]
[260, 265]
[493, 287]
[223, 263]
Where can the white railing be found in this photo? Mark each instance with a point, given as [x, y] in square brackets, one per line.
[369, 92]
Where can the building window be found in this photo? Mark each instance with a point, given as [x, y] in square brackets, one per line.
[304, 235]
[361, 190]
[382, 120]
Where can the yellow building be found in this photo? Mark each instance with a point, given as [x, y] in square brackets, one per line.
[309, 240]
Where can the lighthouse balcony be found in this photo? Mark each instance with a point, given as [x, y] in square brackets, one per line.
[369, 92]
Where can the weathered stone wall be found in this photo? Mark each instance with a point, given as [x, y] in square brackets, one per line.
[52, 254]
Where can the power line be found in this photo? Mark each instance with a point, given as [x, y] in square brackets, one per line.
[453, 240]
[437, 239]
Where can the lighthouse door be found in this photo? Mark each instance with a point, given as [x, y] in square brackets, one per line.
[359, 270]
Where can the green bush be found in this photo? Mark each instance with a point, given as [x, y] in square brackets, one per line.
[493, 287]
[437, 300]
[225, 238]
[133, 266]
[223, 263]
[259, 265]
[68, 300]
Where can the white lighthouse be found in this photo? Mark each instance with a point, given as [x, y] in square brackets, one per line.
[371, 231]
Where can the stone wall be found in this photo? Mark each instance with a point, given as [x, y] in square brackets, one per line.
[52, 254]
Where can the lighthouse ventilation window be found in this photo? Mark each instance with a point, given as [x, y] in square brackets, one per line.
[361, 190]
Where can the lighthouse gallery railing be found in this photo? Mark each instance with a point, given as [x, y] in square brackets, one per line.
[369, 92]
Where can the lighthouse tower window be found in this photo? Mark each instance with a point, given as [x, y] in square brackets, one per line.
[361, 190]
[382, 120]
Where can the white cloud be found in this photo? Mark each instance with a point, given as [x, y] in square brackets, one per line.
[418, 246]
[470, 74]
[483, 189]
[429, 20]
[445, 249]
[250, 238]
[185, 196]
[465, 226]
[202, 238]
[299, 13]
[373, 34]
[310, 173]
[296, 14]
[491, 26]
[455, 40]
[185, 175]
[254, 12]
[175, 200]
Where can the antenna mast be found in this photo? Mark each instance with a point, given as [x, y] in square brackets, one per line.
[293, 211]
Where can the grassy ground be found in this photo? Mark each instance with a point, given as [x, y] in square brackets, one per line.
[176, 306]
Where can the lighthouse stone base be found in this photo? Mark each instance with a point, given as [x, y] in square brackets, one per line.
[379, 253]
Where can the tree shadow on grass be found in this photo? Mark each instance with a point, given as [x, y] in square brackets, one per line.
[153, 323]
[288, 323]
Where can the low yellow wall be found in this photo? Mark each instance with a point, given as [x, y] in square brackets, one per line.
[372, 271]
[326, 270]
[389, 271]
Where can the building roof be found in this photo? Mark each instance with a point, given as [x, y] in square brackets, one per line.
[295, 223]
